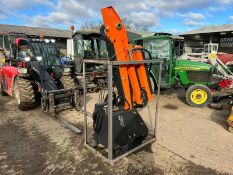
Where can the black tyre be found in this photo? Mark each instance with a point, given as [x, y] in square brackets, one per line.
[153, 85]
[24, 94]
[198, 96]
[230, 122]
[1, 90]
[216, 99]
[67, 82]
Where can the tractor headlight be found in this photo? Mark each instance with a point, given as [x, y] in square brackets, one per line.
[22, 70]
[46, 40]
[39, 58]
[27, 59]
[66, 70]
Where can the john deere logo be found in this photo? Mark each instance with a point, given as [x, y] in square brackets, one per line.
[187, 68]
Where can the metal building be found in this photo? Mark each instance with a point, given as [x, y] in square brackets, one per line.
[221, 35]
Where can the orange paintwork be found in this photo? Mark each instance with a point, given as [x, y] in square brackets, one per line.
[116, 32]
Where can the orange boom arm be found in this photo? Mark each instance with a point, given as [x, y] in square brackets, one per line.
[133, 78]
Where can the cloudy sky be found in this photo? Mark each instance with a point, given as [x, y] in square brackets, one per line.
[174, 16]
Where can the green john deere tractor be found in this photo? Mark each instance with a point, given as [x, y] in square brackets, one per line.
[195, 77]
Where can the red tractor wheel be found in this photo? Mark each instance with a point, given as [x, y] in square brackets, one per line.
[24, 94]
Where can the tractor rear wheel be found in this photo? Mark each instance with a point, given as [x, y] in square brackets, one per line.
[24, 94]
[198, 96]
[67, 82]
[1, 90]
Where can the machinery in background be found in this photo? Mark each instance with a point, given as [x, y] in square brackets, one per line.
[33, 69]
[50, 53]
[225, 58]
[89, 44]
[223, 76]
[195, 77]
[211, 48]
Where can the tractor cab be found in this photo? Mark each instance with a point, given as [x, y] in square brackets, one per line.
[20, 53]
[18, 48]
[161, 47]
[48, 54]
[88, 44]
[24, 52]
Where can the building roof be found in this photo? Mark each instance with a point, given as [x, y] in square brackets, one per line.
[141, 33]
[211, 29]
[87, 31]
[35, 31]
[177, 37]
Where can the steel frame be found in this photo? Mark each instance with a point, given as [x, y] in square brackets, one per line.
[109, 158]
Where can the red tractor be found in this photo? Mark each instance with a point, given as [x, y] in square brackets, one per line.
[27, 74]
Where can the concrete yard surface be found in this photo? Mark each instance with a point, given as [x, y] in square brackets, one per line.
[190, 141]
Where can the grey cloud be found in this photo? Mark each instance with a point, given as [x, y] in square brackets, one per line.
[196, 16]
[192, 15]
[192, 23]
[192, 19]
[145, 19]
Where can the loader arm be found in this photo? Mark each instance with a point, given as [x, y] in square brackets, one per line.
[131, 80]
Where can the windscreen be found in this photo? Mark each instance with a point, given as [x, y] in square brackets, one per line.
[47, 51]
[158, 48]
[36, 49]
[92, 48]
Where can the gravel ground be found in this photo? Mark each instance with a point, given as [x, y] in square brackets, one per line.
[190, 141]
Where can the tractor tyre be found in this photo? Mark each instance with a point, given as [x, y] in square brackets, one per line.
[24, 94]
[198, 96]
[230, 129]
[1, 90]
[153, 85]
[67, 82]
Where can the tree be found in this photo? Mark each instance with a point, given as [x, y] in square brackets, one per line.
[91, 24]
[129, 24]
